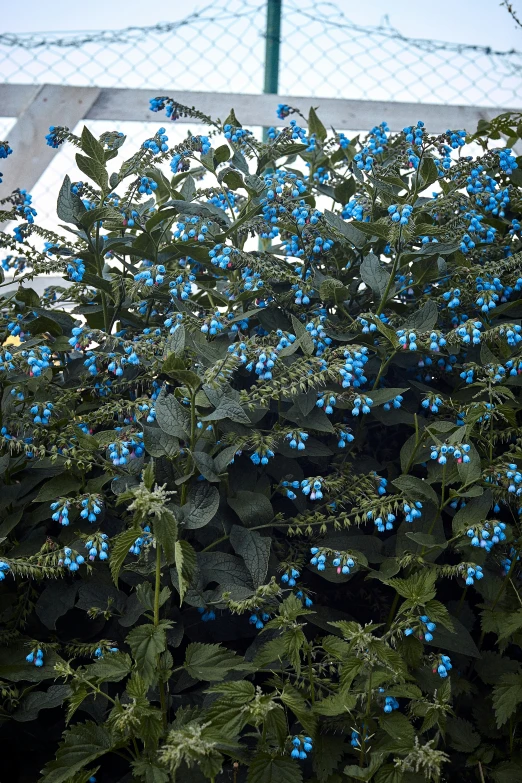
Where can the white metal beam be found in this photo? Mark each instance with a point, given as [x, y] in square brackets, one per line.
[129, 104]
[50, 105]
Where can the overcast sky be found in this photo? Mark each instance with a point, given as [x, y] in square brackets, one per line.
[467, 21]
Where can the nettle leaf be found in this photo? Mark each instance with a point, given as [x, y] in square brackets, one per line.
[120, 549]
[113, 667]
[507, 695]
[254, 549]
[171, 416]
[252, 508]
[81, 745]
[202, 506]
[266, 769]
[211, 662]
[165, 528]
[185, 559]
[463, 736]
[146, 643]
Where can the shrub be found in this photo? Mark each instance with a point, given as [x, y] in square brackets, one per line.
[261, 460]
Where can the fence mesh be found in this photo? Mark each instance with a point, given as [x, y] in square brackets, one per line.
[220, 48]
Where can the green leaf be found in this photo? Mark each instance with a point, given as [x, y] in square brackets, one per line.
[210, 662]
[113, 667]
[15, 668]
[91, 146]
[205, 465]
[473, 513]
[165, 528]
[424, 319]
[381, 396]
[347, 230]
[374, 274]
[120, 546]
[463, 736]
[82, 744]
[150, 772]
[304, 337]
[175, 368]
[202, 506]
[315, 126]
[40, 700]
[507, 695]
[266, 769]
[224, 458]
[146, 643]
[228, 409]
[55, 601]
[69, 207]
[252, 508]
[59, 486]
[171, 416]
[254, 549]
[175, 343]
[416, 488]
[185, 560]
[94, 170]
[159, 443]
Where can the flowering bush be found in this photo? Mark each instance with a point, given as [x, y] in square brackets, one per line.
[261, 459]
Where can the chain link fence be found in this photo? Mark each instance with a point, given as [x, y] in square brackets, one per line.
[221, 49]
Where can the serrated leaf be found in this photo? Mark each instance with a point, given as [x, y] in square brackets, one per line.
[146, 643]
[254, 549]
[507, 695]
[113, 667]
[185, 559]
[165, 529]
[81, 744]
[266, 769]
[120, 546]
[210, 662]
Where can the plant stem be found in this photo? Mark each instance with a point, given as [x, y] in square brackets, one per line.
[311, 675]
[157, 590]
[391, 614]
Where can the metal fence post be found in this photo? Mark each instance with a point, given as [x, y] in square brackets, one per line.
[272, 48]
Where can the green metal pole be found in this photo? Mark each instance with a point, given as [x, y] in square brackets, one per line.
[272, 47]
